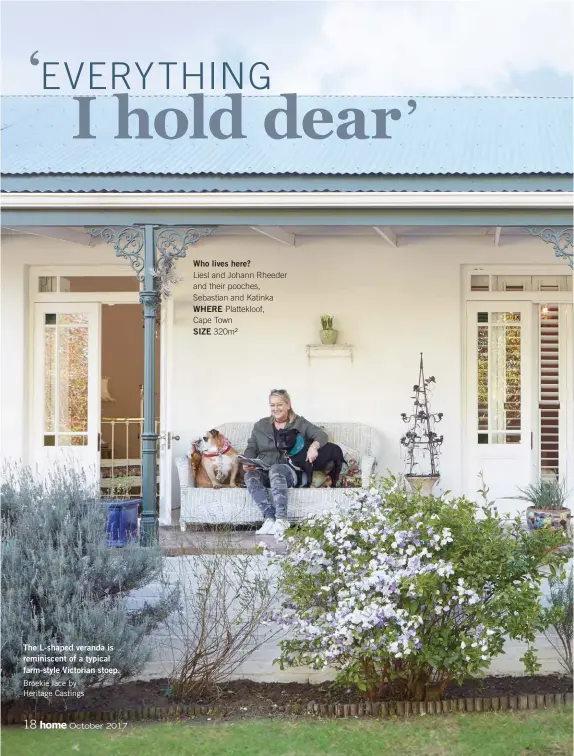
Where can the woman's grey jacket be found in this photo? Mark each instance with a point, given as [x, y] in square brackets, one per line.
[261, 444]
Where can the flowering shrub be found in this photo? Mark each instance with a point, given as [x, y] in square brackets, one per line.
[402, 593]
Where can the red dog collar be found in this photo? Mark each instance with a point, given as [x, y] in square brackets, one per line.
[225, 449]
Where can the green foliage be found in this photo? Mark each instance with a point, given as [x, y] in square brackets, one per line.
[326, 322]
[62, 586]
[546, 493]
[404, 592]
[559, 617]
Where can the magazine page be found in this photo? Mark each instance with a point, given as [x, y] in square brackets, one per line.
[287, 386]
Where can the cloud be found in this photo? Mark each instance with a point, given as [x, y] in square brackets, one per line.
[354, 47]
[429, 47]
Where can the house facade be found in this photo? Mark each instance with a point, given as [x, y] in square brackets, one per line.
[452, 239]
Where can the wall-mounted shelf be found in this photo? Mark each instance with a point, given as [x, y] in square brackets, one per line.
[330, 350]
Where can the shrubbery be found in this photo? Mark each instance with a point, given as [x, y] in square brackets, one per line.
[62, 586]
[402, 593]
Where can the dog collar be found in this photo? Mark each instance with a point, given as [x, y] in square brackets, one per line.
[299, 444]
[225, 449]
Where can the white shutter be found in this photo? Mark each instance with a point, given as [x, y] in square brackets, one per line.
[549, 390]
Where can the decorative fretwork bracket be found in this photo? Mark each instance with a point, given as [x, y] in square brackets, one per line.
[560, 240]
[128, 242]
[171, 244]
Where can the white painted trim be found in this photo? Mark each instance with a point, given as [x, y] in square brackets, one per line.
[497, 234]
[102, 200]
[557, 267]
[536, 297]
[166, 378]
[277, 233]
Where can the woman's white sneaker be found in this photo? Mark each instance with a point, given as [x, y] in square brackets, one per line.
[268, 527]
[281, 526]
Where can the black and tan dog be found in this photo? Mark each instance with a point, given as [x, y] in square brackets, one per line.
[329, 459]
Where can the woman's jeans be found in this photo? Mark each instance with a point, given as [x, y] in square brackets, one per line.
[278, 478]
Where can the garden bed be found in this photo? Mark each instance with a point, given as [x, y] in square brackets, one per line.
[247, 698]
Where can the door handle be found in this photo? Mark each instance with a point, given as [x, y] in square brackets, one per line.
[170, 438]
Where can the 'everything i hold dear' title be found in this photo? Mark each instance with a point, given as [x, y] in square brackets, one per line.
[197, 119]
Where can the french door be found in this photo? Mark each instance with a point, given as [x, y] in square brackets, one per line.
[500, 430]
[66, 386]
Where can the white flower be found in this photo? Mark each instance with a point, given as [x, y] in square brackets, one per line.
[462, 644]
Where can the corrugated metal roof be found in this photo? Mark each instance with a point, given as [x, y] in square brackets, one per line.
[445, 135]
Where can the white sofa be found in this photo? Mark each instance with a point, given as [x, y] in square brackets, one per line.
[235, 506]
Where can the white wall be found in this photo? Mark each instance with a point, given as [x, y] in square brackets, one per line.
[390, 303]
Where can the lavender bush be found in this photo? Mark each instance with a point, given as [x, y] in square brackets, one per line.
[403, 593]
[62, 586]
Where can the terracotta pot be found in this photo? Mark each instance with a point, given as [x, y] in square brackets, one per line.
[424, 483]
[328, 336]
[540, 517]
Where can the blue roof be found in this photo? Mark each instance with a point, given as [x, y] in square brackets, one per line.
[445, 135]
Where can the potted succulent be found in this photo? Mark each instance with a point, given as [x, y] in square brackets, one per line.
[327, 333]
[547, 507]
[421, 441]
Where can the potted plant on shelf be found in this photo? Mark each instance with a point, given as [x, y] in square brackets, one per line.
[421, 441]
[547, 508]
[327, 333]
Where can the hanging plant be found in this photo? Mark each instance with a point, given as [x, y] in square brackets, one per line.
[165, 275]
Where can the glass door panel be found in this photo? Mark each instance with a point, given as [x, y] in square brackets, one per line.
[499, 395]
[66, 384]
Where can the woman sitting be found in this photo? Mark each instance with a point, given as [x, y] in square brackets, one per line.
[280, 476]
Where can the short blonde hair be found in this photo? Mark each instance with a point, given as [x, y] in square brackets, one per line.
[283, 394]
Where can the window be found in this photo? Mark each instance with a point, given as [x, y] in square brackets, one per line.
[65, 379]
[499, 345]
[511, 283]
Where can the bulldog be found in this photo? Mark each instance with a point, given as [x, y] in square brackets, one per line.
[214, 461]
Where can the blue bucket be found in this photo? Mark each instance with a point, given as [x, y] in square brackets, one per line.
[122, 524]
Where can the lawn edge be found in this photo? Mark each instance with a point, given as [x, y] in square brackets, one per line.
[361, 709]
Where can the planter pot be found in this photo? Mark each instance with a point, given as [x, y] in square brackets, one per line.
[539, 517]
[424, 483]
[328, 336]
[122, 522]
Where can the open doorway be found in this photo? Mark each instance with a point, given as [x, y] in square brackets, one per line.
[122, 369]
[87, 378]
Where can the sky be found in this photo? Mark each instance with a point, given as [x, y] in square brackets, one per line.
[357, 47]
